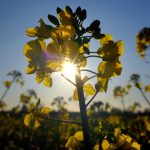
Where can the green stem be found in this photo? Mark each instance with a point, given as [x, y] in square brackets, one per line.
[92, 56]
[144, 96]
[96, 75]
[88, 71]
[7, 89]
[54, 119]
[91, 99]
[83, 112]
[68, 80]
[123, 104]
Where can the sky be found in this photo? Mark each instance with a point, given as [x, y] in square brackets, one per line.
[121, 19]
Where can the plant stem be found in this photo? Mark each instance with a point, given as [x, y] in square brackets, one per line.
[92, 56]
[123, 104]
[98, 74]
[68, 80]
[6, 90]
[83, 112]
[89, 71]
[91, 99]
[144, 96]
[54, 119]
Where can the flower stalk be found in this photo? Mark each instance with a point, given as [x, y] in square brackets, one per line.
[83, 113]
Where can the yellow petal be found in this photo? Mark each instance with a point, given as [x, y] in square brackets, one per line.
[69, 142]
[65, 16]
[33, 49]
[45, 110]
[31, 32]
[55, 65]
[28, 118]
[147, 88]
[82, 47]
[31, 68]
[105, 39]
[120, 46]
[79, 136]
[47, 80]
[117, 132]
[72, 143]
[96, 147]
[88, 89]
[39, 77]
[75, 95]
[70, 49]
[84, 63]
[103, 82]
[136, 146]
[109, 68]
[36, 123]
[7, 84]
[53, 48]
[105, 144]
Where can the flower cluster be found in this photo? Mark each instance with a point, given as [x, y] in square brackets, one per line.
[110, 65]
[66, 39]
[122, 141]
[143, 41]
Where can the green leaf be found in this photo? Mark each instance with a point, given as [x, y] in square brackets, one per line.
[58, 10]
[94, 25]
[88, 89]
[78, 11]
[53, 20]
[83, 15]
[69, 9]
[38, 102]
[47, 80]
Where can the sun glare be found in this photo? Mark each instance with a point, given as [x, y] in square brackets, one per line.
[69, 70]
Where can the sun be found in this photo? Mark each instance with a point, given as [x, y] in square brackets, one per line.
[69, 70]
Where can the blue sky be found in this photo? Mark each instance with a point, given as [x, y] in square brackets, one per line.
[122, 19]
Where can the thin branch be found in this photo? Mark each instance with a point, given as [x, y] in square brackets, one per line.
[93, 52]
[90, 53]
[98, 74]
[147, 100]
[88, 71]
[92, 56]
[91, 99]
[88, 36]
[68, 80]
[123, 104]
[54, 119]
[7, 89]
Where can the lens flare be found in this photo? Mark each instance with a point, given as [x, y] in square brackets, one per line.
[69, 70]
